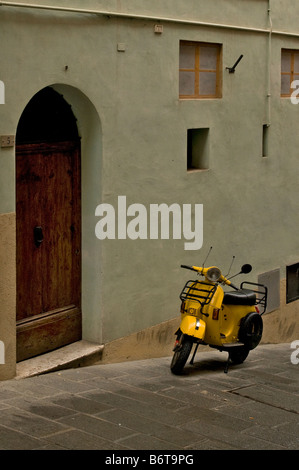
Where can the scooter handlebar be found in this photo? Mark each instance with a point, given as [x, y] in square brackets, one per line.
[187, 267]
[222, 278]
[233, 286]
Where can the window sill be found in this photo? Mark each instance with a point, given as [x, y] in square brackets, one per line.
[197, 170]
[199, 98]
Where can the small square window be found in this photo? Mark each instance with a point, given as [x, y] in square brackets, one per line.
[292, 283]
[200, 70]
[198, 149]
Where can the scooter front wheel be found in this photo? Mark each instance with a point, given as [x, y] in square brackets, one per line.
[239, 354]
[181, 355]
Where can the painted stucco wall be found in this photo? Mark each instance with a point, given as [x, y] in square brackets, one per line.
[134, 137]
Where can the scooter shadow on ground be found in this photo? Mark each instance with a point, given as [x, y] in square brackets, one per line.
[208, 366]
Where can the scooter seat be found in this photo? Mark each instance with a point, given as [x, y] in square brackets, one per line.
[240, 297]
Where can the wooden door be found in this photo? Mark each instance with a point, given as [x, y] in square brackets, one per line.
[48, 246]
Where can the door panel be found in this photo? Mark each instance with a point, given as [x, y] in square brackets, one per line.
[48, 274]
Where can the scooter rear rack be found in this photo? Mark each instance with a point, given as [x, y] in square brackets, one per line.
[261, 293]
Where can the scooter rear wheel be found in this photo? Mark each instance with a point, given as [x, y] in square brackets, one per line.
[251, 330]
[180, 356]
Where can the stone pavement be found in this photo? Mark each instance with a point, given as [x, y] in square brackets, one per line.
[140, 405]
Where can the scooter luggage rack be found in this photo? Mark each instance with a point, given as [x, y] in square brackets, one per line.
[201, 295]
[261, 295]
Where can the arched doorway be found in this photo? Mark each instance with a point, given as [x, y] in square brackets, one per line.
[48, 208]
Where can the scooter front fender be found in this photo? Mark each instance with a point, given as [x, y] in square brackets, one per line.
[193, 326]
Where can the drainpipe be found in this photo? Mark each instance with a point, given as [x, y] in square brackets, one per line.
[269, 64]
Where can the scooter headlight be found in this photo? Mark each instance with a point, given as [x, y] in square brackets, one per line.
[213, 274]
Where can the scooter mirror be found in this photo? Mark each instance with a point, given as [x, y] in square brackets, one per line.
[246, 268]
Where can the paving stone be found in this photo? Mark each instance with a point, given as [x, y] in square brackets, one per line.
[75, 403]
[274, 436]
[146, 442]
[231, 438]
[28, 423]
[40, 407]
[160, 413]
[199, 399]
[210, 444]
[78, 440]
[11, 439]
[161, 431]
[57, 383]
[97, 426]
[270, 396]
[259, 413]
[30, 387]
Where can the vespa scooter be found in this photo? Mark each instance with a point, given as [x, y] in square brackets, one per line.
[227, 321]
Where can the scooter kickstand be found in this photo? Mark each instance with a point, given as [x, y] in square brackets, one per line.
[195, 350]
[227, 366]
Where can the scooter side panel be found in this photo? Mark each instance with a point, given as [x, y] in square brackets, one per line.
[193, 326]
[230, 321]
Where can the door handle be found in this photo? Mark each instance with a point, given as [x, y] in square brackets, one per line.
[38, 236]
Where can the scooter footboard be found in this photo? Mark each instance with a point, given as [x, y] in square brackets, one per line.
[193, 326]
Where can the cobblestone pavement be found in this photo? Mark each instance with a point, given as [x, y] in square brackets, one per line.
[140, 405]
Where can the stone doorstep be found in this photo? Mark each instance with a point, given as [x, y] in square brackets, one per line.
[78, 354]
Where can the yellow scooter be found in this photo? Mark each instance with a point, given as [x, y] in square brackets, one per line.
[228, 321]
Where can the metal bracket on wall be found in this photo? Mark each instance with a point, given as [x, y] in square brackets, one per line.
[233, 68]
